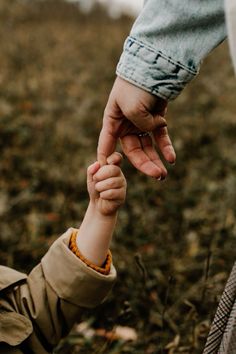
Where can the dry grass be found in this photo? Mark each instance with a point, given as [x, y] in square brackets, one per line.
[175, 241]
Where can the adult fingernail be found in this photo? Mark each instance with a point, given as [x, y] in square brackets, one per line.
[160, 178]
[172, 163]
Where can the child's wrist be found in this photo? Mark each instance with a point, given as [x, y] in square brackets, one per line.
[95, 234]
[97, 212]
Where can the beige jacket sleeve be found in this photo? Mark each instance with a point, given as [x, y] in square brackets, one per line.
[38, 310]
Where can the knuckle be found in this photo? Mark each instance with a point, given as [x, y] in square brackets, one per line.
[122, 182]
[114, 170]
[163, 132]
[96, 177]
[142, 109]
[132, 111]
[113, 183]
[117, 182]
[109, 194]
[97, 187]
[107, 112]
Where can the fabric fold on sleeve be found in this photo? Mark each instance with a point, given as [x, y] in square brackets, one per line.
[152, 70]
[71, 279]
[168, 42]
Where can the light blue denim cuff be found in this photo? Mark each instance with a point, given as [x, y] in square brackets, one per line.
[152, 70]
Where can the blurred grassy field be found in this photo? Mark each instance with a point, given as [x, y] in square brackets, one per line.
[175, 241]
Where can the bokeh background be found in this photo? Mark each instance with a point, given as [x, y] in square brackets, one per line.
[175, 240]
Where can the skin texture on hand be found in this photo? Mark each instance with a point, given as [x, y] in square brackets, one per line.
[107, 185]
[129, 111]
[107, 190]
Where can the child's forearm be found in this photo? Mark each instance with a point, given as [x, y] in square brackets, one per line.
[95, 234]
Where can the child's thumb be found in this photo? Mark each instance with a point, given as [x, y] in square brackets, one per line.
[92, 169]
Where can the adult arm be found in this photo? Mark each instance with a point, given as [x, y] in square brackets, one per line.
[161, 56]
[168, 42]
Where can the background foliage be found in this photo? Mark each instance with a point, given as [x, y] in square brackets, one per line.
[175, 241]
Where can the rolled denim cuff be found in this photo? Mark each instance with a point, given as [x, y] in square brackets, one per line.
[152, 70]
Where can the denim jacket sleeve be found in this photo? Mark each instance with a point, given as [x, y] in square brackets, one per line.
[168, 41]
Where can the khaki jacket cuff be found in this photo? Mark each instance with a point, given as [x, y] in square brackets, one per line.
[72, 279]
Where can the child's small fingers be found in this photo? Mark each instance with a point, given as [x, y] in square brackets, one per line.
[115, 159]
[113, 194]
[110, 183]
[106, 172]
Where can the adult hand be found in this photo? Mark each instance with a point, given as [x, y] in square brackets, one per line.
[129, 112]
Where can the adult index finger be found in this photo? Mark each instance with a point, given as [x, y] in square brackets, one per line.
[106, 145]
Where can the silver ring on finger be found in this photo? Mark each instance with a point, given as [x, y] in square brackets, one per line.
[143, 134]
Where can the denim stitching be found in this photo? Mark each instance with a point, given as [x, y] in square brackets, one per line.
[147, 47]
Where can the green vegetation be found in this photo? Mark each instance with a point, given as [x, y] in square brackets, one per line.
[175, 241]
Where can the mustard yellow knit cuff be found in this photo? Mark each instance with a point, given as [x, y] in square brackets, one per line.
[105, 269]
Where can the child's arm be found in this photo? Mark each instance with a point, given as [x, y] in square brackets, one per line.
[39, 309]
[107, 189]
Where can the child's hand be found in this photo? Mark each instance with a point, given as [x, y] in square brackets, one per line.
[107, 185]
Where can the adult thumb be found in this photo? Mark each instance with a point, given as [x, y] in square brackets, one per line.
[106, 144]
